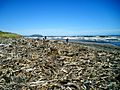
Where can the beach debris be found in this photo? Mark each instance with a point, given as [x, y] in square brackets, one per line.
[34, 64]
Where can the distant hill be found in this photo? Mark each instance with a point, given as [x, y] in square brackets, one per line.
[9, 35]
[34, 35]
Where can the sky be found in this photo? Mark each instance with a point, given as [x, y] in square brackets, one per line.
[60, 17]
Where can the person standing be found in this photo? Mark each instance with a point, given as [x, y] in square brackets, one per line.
[45, 37]
[67, 40]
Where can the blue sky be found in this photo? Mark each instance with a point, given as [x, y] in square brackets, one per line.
[60, 17]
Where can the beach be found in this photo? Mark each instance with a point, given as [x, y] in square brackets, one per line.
[35, 64]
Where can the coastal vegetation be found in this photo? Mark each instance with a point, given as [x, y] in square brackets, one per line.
[8, 35]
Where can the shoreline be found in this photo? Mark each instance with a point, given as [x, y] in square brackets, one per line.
[101, 46]
[90, 44]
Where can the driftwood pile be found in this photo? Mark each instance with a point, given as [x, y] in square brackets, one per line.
[33, 64]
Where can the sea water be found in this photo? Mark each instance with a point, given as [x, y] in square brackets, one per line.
[113, 40]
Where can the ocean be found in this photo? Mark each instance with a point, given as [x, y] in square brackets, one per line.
[112, 40]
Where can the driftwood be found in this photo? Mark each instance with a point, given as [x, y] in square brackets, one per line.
[54, 65]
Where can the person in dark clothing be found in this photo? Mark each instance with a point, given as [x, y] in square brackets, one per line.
[67, 40]
[45, 37]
